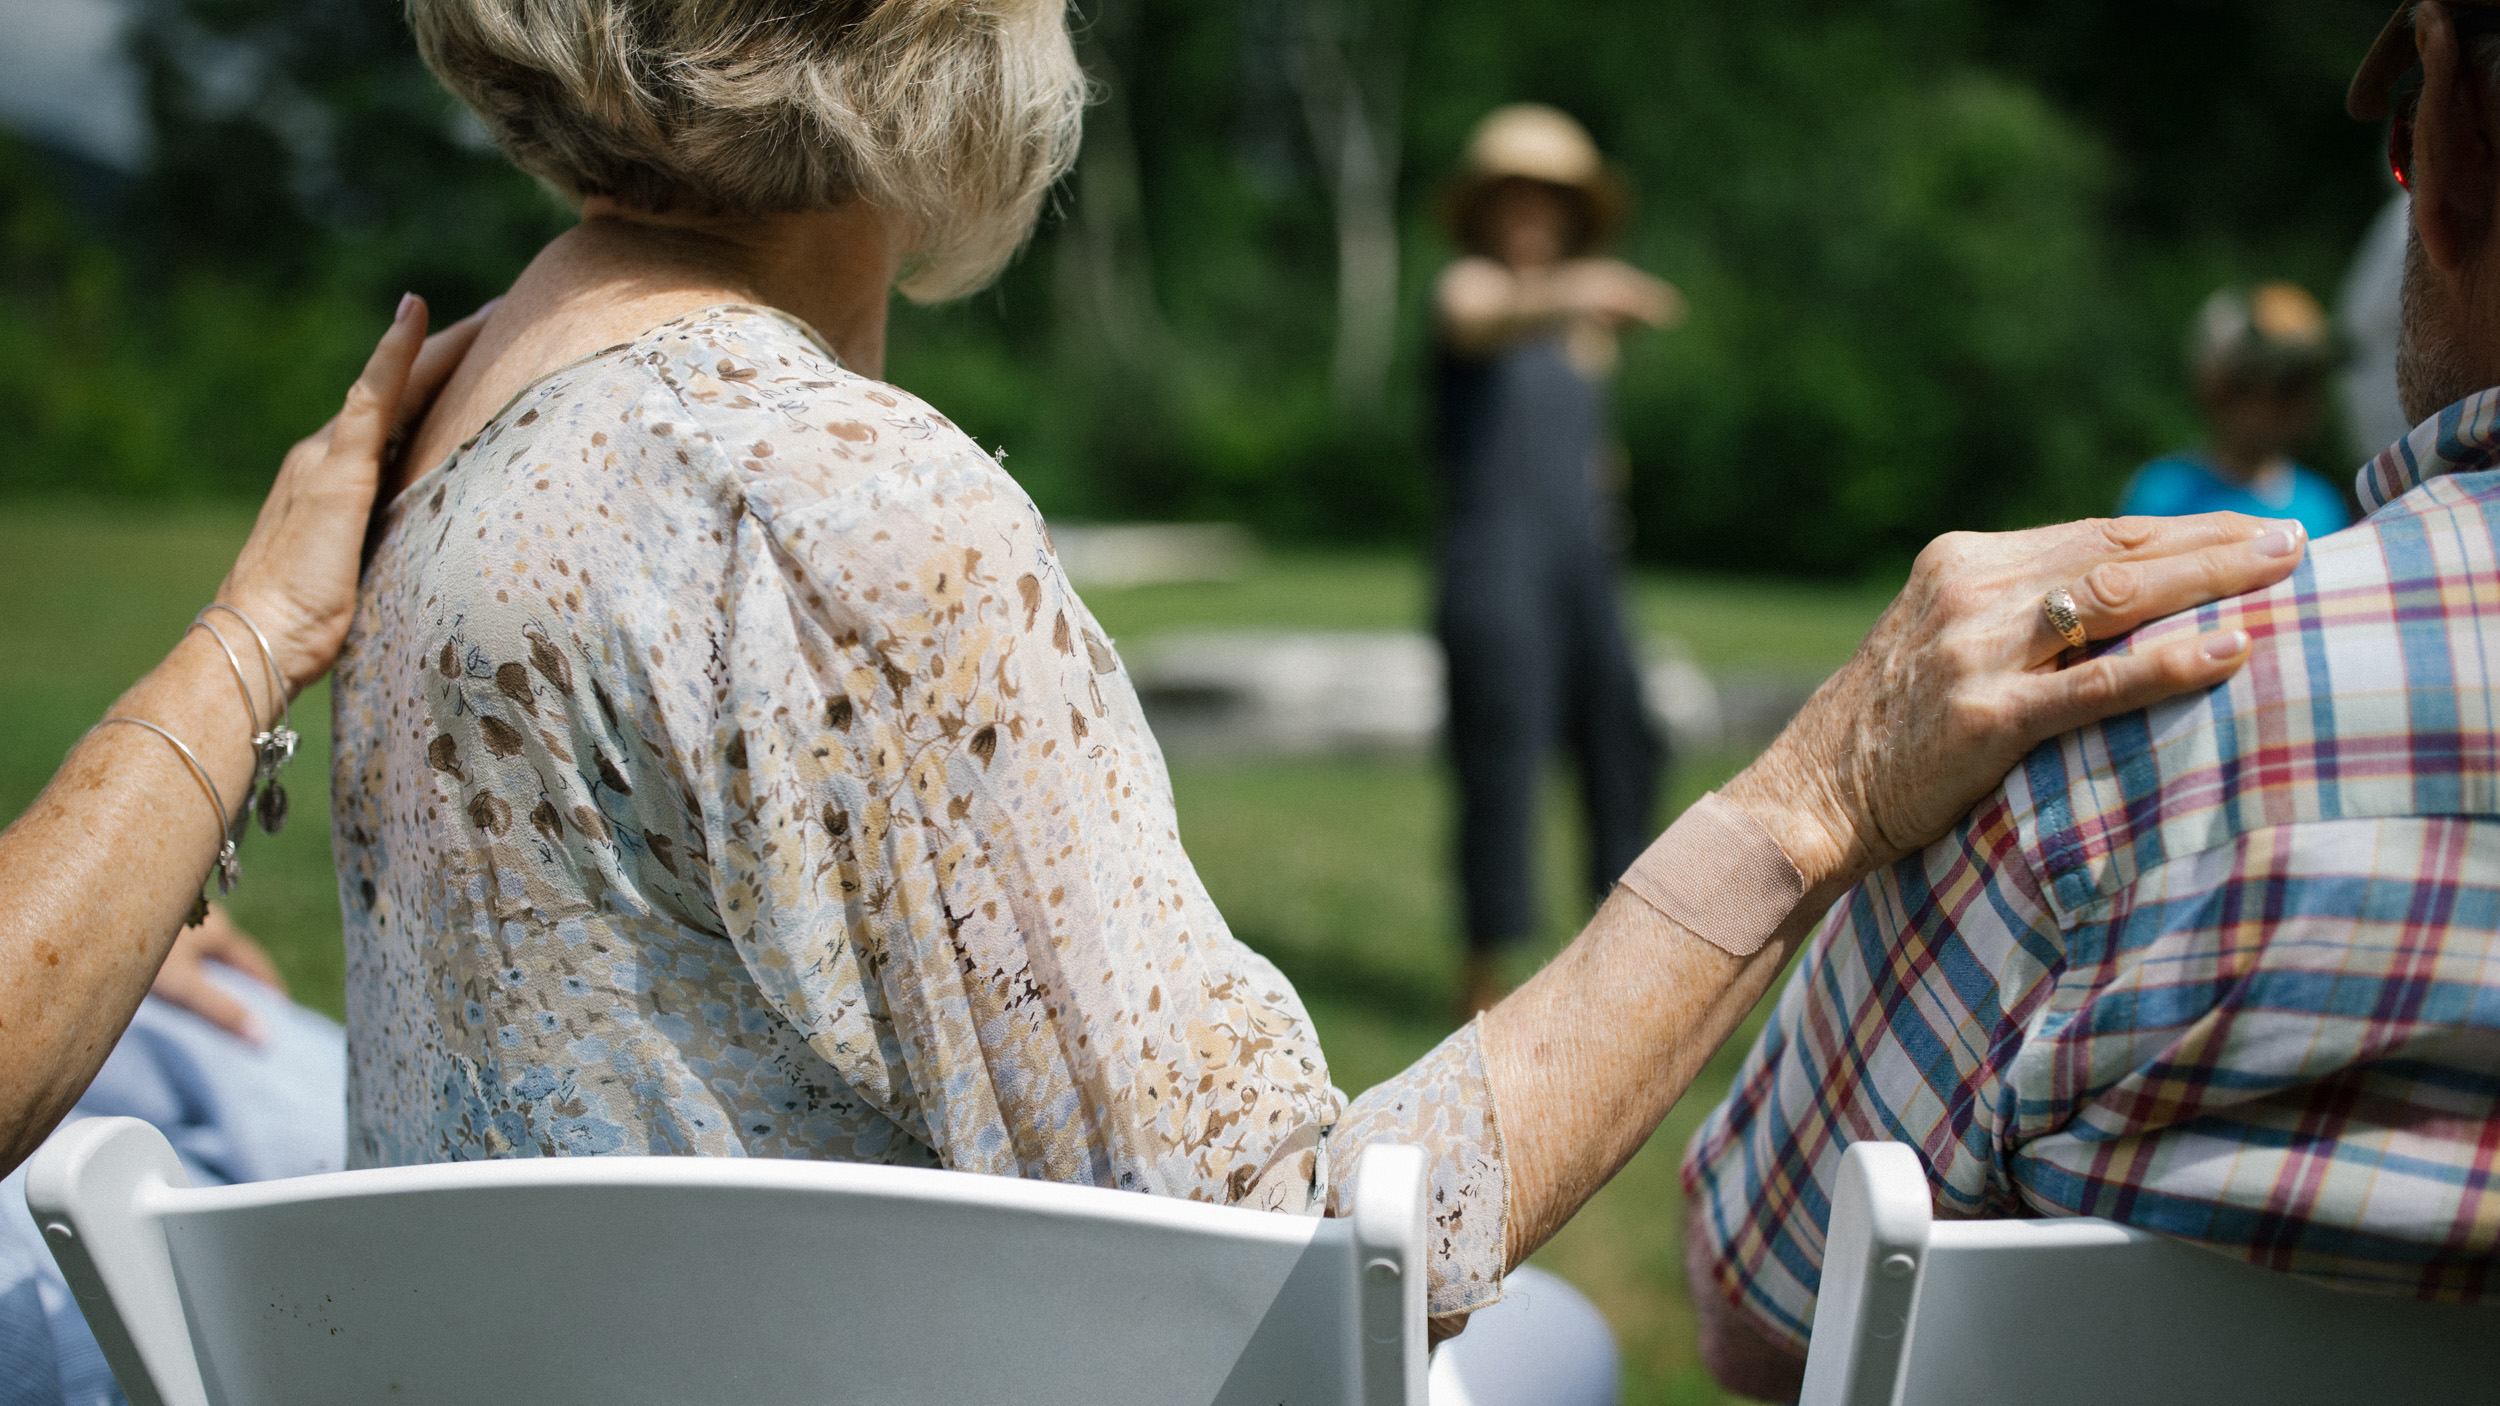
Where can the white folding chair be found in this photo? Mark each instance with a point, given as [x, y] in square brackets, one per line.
[677, 1280]
[2084, 1312]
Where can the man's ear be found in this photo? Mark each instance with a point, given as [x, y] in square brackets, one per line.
[2456, 165]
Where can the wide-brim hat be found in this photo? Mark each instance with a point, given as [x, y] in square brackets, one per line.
[1530, 141]
[2388, 60]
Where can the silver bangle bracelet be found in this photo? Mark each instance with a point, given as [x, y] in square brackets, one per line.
[251, 709]
[272, 746]
[268, 657]
[229, 871]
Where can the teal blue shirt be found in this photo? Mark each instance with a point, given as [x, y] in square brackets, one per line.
[2177, 485]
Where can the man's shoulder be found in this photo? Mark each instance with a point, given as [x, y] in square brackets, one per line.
[2370, 693]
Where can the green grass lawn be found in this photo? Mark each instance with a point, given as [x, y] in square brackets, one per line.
[1726, 623]
[1335, 869]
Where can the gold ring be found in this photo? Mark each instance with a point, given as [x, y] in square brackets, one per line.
[2059, 607]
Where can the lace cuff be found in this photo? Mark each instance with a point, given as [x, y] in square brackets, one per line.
[1443, 1105]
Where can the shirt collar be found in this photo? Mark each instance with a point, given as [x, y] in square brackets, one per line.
[2462, 439]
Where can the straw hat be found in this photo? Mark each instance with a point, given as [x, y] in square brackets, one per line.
[1530, 141]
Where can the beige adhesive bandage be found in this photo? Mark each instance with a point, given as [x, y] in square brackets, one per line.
[1718, 873]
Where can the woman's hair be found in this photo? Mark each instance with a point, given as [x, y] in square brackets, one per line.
[955, 115]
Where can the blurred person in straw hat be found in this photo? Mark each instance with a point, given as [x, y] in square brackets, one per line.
[1527, 322]
[2261, 358]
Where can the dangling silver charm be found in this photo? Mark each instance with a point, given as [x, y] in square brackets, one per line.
[270, 808]
[276, 748]
[229, 873]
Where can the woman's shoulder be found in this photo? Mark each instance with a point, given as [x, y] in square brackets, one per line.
[776, 408]
[730, 412]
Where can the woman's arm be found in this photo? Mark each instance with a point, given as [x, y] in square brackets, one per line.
[1483, 305]
[100, 872]
[1956, 682]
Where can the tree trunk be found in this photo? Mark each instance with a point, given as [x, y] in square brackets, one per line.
[1351, 78]
[1106, 264]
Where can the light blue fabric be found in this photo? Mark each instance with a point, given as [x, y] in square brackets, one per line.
[234, 1111]
[2178, 485]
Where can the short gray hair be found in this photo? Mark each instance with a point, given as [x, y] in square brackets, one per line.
[955, 115]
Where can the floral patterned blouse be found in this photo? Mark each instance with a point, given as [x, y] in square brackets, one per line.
[725, 767]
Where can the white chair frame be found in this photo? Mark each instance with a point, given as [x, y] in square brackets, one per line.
[2086, 1312]
[625, 1280]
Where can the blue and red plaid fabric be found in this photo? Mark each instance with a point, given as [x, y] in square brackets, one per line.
[2227, 970]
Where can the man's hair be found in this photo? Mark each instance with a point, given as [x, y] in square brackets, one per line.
[955, 115]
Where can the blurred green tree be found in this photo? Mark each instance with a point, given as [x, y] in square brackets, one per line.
[1939, 252]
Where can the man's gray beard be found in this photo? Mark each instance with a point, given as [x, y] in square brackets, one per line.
[2434, 369]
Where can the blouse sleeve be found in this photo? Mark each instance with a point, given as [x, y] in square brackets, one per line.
[943, 843]
[1442, 1104]
[945, 847]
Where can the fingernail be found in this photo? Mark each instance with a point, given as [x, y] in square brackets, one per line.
[2281, 542]
[407, 304]
[2230, 644]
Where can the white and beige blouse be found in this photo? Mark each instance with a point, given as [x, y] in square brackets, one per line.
[725, 767]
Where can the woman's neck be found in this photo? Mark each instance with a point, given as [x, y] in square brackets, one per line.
[620, 273]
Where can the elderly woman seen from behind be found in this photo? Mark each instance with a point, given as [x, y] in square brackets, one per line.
[726, 767]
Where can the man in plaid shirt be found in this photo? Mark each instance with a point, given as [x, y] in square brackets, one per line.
[2229, 969]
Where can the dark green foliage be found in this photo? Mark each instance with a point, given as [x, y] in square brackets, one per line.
[174, 339]
[1939, 253]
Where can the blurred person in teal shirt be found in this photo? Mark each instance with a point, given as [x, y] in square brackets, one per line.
[2261, 358]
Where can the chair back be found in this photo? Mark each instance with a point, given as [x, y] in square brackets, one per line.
[2084, 1312]
[626, 1280]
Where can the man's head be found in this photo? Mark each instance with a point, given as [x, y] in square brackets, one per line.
[2260, 357]
[2435, 73]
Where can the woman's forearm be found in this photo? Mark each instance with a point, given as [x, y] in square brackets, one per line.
[1484, 307]
[97, 877]
[1585, 1060]
[100, 872]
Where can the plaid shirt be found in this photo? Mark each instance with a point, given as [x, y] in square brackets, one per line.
[2225, 969]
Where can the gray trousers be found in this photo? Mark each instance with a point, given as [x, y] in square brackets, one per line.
[1538, 663]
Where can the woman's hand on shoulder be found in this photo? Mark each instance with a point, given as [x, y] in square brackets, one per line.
[296, 574]
[1962, 676]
